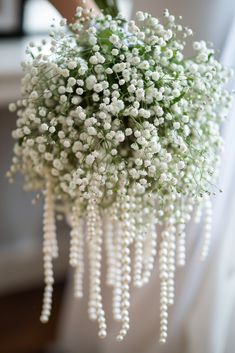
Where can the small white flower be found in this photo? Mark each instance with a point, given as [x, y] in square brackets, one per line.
[44, 127]
[90, 159]
[12, 107]
[140, 16]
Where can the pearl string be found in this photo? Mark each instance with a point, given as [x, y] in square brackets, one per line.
[74, 235]
[79, 270]
[138, 259]
[102, 333]
[90, 236]
[49, 236]
[150, 252]
[125, 267]
[117, 289]
[94, 237]
[171, 265]
[110, 251]
[163, 274]
[180, 245]
[198, 213]
[125, 224]
[207, 229]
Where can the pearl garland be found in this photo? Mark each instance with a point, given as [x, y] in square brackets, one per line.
[126, 225]
[117, 288]
[138, 259]
[125, 267]
[180, 245]
[171, 265]
[150, 251]
[94, 233]
[49, 250]
[163, 273]
[110, 251]
[76, 255]
[207, 229]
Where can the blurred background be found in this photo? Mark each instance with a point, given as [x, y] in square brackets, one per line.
[21, 276]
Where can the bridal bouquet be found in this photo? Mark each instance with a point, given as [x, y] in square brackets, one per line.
[121, 132]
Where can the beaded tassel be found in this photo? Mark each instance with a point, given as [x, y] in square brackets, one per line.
[49, 250]
[117, 288]
[180, 245]
[163, 273]
[94, 237]
[76, 256]
[171, 265]
[74, 235]
[100, 310]
[138, 260]
[125, 267]
[150, 252]
[125, 225]
[90, 236]
[207, 229]
[110, 251]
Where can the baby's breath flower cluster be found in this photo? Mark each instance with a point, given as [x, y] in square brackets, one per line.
[123, 132]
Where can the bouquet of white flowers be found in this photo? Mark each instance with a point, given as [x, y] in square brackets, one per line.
[122, 133]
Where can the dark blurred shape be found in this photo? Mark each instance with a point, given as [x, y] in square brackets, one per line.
[11, 18]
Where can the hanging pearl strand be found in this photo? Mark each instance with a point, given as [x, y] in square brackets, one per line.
[90, 236]
[132, 218]
[94, 236]
[171, 261]
[207, 229]
[150, 251]
[180, 239]
[98, 258]
[186, 210]
[125, 266]
[110, 250]
[117, 289]
[49, 236]
[79, 270]
[76, 258]
[198, 213]
[74, 235]
[138, 248]
[163, 274]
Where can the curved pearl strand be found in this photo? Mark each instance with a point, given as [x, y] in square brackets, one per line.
[76, 250]
[49, 233]
[110, 251]
[102, 333]
[117, 289]
[150, 251]
[138, 259]
[171, 264]
[90, 236]
[74, 234]
[163, 274]
[79, 270]
[125, 267]
[180, 245]
[198, 213]
[206, 229]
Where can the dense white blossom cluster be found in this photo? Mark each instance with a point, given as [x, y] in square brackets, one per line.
[123, 132]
